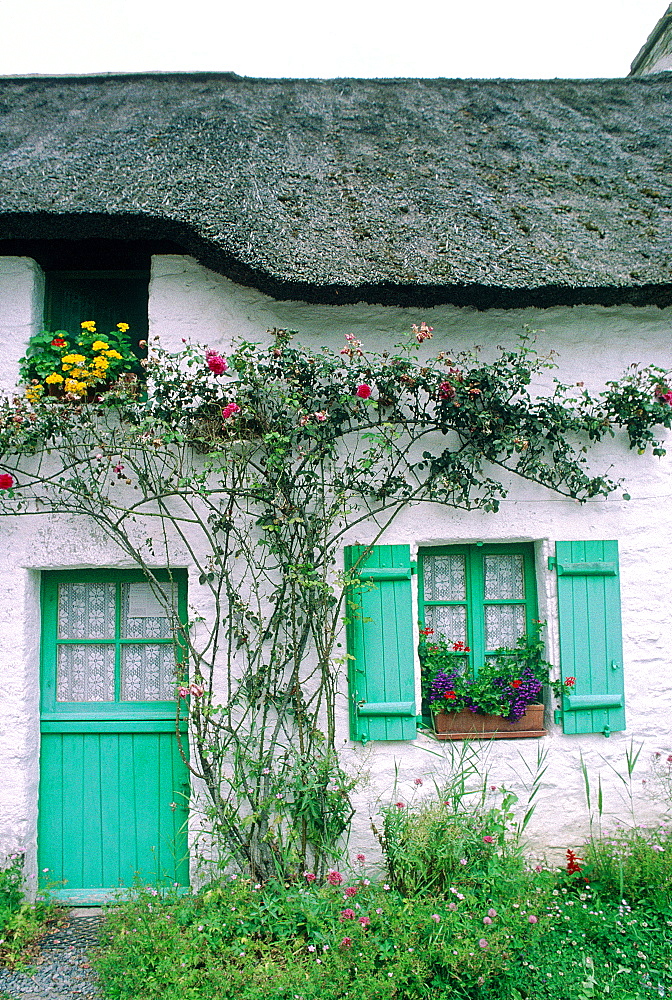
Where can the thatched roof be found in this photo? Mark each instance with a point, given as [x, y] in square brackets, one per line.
[477, 191]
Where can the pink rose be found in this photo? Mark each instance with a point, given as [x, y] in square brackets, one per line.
[229, 410]
[363, 391]
[216, 362]
[6, 481]
[183, 692]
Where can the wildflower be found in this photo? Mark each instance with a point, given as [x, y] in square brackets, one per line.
[446, 391]
[400, 805]
[350, 891]
[493, 788]
[422, 332]
[436, 918]
[532, 919]
[348, 914]
[334, 878]
[229, 410]
[386, 887]
[657, 847]
[488, 840]
[365, 921]
[311, 947]
[452, 906]
[573, 865]
[418, 782]
[122, 327]
[6, 481]
[309, 877]
[320, 416]
[463, 861]
[482, 943]
[346, 942]
[492, 913]
[363, 391]
[366, 881]
[216, 362]
[361, 859]
[487, 920]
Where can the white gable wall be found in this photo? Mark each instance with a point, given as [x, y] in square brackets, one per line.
[594, 344]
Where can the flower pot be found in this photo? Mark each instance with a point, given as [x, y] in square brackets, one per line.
[472, 725]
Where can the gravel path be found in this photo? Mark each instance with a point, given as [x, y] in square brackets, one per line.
[62, 969]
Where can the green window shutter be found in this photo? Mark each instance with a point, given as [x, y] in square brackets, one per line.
[591, 648]
[380, 642]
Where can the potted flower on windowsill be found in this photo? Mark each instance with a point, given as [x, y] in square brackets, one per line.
[501, 700]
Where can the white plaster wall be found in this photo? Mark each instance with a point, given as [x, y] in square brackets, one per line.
[21, 300]
[594, 344]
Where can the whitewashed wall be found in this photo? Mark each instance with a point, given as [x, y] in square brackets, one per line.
[594, 344]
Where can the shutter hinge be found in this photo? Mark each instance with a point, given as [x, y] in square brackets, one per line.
[363, 739]
[552, 563]
[606, 731]
[414, 568]
[557, 717]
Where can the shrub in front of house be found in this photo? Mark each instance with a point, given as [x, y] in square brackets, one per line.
[21, 922]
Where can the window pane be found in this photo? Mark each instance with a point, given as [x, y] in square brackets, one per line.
[148, 672]
[504, 579]
[449, 622]
[85, 673]
[142, 615]
[86, 610]
[445, 578]
[504, 624]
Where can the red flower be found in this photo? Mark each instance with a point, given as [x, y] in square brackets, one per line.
[216, 362]
[58, 342]
[334, 878]
[516, 683]
[570, 681]
[450, 695]
[348, 914]
[350, 890]
[363, 391]
[446, 391]
[426, 631]
[346, 942]
[400, 805]
[459, 647]
[573, 865]
[229, 410]
[6, 481]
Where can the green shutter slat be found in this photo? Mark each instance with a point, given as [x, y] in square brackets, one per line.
[591, 648]
[387, 708]
[380, 642]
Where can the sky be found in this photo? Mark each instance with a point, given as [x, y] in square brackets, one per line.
[315, 38]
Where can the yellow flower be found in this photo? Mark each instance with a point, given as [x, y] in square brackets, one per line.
[33, 392]
[101, 363]
[99, 345]
[112, 354]
[123, 327]
[73, 385]
[73, 359]
[53, 378]
[89, 325]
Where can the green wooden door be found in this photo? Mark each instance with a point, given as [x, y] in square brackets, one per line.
[114, 789]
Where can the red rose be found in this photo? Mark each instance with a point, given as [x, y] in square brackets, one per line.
[363, 391]
[6, 481]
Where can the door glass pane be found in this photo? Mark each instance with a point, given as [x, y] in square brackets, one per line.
[449, 622]
[142, 614]
[85, 673]
[445, 578]
[504, 624]
[86, 610]
[504, 578]
[148, 672]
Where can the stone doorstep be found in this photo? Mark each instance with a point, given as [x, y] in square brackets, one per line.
[86, 911]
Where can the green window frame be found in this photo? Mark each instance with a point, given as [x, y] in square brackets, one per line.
[115, 707]
[471, 605]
